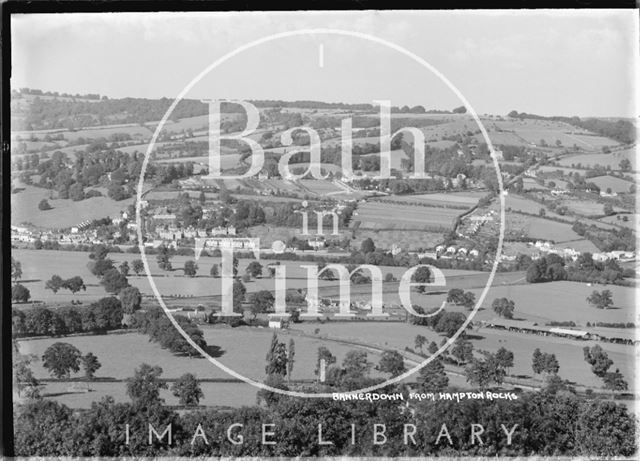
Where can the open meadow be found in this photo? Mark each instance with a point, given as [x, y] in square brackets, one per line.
[377, 215]
[65, 212]
[590, 160]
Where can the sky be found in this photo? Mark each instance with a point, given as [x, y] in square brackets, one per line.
[556, 62]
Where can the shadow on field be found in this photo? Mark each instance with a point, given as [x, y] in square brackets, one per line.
[214, 351]
[473, 337]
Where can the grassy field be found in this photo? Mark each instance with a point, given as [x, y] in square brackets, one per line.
[632, 223]
[590, 160]
[526, 205]
[409, 240]
[617, 185]
[454, 199]
[539, 228]
[376, 215]
[38, 266]
[530, 184]
[227, 161]
[65, 212]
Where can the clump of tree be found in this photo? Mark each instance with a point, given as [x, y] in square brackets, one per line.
[392, 362]
[543, 362]
[188, 390]
[60, 359]
[190, 268]
[460, 297]
[20, 293]
[483, 372]
[155, 323]
[503, 307]
[548, 268]
[600, 364]
[103, 315]
[73, 284]
[601, 299]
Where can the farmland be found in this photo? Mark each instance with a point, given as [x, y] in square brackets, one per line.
[590, 160]
[39, 265]
[377, 215]
[617, 185]
[409, 240]
[453, 199]
[539, 228]
[65, 212]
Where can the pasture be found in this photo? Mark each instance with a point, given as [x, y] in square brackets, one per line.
[539, 228]
[409, 240]
[633, 220]
[65, 212]
[617, 185]
[451, 199]
[377, 215]
[530, 184]
[590, 160]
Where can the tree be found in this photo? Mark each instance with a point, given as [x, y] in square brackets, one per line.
[113, 281]
[598, 359]
[90, 364]
[601, 300]
[187, 389]
[76, 192]
[536, 362]
[130, 298]
[550, 364]
[455, 296]
[54, 284]
[16, 270]
[468, 299]
[615, 381]
[503, 307]
[261, 301]
[74, 284]
[367, 246]
[449, 323]
[504, 358]
[100, 266]
[254, 269]
[326, 355]
[422, 275]
[291, 354]
[607, 209]
[391, 362]
[462, 350]
[460, 110]
[144, 387]
[61, 358]
[432, 377]
[164, 258]
[433, 348]
[355, 364]
[20, 293]
[44, 205]
[124, 268]
[484, 372]
[202, 198]
[625, 164]
[276, 357]
[138, 266]
[239, 292]
[419, 342]
[190, 268]
[214, 272]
